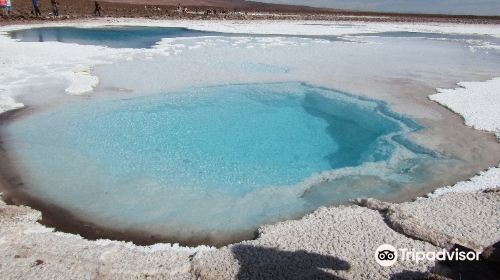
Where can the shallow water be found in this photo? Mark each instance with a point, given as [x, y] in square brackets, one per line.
[224, 158]
[216, 137]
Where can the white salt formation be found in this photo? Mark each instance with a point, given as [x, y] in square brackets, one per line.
[477, 102]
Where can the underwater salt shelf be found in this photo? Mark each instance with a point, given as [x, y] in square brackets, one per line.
[214, 160]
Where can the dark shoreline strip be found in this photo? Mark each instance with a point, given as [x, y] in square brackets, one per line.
[54, 216]
[230, 9]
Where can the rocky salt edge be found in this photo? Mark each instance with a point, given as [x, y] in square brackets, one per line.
[8, 103]
[477, 102]
[334, 241]
[338, 241]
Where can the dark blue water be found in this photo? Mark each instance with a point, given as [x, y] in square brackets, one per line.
[115, 37]
[127, 36]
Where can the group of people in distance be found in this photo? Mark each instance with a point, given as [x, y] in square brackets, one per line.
[6, 8]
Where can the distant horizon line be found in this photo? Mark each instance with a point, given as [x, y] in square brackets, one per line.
[379, 9]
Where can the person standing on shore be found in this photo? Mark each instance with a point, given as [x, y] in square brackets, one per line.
[55, 7]
[36, 9]
[3, 7]
[97, 11]
[9, 7]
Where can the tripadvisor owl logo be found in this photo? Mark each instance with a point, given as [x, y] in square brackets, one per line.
[386, 255]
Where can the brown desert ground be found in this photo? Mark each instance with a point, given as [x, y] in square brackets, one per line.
[214, 9]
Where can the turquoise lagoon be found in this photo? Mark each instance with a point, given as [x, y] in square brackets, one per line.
[214, 161]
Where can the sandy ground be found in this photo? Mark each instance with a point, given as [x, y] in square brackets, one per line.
[215, 9]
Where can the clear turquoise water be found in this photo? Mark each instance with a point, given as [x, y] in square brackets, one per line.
[212, 159]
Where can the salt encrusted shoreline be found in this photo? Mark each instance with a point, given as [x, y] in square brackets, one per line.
[477, 102]
[332, 241]
[338, 241]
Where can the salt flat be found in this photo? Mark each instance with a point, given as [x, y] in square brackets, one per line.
[332, 241]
